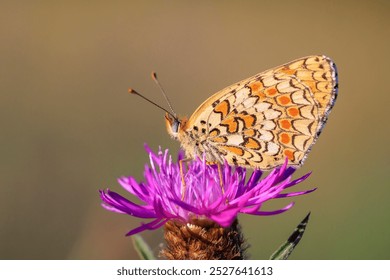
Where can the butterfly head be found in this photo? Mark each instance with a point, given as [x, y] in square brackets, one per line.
[174, 125]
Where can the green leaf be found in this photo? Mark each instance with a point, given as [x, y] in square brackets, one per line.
[142, 248]
[286, 249]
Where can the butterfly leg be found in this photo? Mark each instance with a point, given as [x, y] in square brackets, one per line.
[220, 177]
[183, 183]
[219, 173]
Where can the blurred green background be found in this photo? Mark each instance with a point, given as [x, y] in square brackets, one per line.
[68, 126]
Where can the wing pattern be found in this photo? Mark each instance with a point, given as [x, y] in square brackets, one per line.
[261, 120]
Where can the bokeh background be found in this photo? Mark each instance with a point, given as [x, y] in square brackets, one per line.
[68, 126]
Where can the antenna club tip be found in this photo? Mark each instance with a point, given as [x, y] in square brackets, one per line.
[131, 91]
[154, 75]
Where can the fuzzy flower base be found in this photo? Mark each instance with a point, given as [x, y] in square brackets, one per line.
[210, 192]
[202, 239]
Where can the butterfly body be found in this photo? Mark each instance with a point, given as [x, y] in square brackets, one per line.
[260, 121]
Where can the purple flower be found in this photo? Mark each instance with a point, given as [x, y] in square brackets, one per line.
[164, 197]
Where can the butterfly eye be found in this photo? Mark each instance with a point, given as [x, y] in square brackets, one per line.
[173, 125]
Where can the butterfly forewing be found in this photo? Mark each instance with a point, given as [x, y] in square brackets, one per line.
[260, 121]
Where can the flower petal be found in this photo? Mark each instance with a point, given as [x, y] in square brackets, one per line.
[164, 197]
[149, 226]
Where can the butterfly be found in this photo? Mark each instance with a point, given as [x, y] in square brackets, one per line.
[262, 120]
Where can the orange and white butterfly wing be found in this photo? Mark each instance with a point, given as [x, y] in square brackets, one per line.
[261, 120]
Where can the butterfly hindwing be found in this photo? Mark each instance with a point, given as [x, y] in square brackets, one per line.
[260, 121]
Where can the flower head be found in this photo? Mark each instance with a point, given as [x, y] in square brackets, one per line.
[218, 193]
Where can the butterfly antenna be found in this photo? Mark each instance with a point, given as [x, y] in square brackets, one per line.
[154, 77]
[132, 91]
